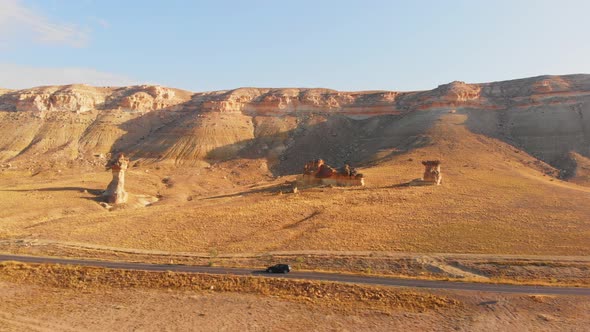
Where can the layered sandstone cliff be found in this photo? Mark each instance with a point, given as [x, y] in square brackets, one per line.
[548, 116]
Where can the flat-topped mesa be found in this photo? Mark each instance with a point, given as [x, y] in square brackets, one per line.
[168, 125]
[317, 172]
[115, 193]
[264, 101]
[432, 172]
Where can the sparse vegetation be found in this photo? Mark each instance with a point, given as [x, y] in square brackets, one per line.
[299, 260]
[333, 294]
[511, 210]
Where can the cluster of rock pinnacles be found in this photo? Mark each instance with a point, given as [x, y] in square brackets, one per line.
[316, 172]
[116, 194]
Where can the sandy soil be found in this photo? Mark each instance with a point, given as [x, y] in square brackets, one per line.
[494, 199]
[32, 308]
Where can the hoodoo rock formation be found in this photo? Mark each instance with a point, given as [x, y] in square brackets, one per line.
[432, 172]
[317, 172]
[115, 193]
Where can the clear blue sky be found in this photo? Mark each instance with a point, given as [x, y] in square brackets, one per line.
[344, 45]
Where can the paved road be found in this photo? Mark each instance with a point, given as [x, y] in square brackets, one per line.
[320, 276]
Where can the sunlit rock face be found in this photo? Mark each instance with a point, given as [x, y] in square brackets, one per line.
[547, 116]
[71, 98]
[147, 98]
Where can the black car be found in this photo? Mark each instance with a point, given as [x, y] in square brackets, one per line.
[279, 268]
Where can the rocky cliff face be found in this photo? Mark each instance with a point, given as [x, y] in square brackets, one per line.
[548, 116]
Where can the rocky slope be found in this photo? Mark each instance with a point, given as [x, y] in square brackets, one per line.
[547, 116]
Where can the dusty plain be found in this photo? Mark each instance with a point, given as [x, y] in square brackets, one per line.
[494, 200]
[49, 298]
[211, 183]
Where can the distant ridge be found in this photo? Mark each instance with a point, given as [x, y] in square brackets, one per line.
[546, 116]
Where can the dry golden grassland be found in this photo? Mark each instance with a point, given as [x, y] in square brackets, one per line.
[325, 293]
[57, 298]
[493, 200]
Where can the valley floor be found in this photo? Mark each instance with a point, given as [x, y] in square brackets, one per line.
[493, 200]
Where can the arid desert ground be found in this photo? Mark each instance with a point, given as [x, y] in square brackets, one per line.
[210, 182]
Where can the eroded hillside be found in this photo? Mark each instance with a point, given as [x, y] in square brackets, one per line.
[494, 199]
[547, 116]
